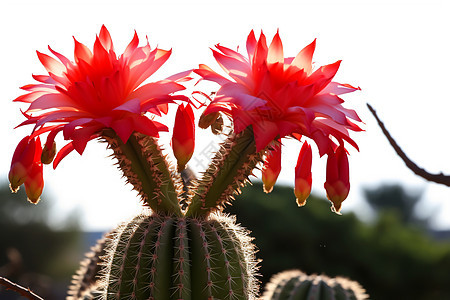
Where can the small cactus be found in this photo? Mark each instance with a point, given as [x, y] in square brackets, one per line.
[296, 285]
[164, 257]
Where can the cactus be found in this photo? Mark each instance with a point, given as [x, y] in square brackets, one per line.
[86, 283]
[296, 285]
[168, 257]
[182, 248]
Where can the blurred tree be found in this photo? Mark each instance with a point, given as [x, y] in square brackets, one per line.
[394, 198]
[390, 260]
[32, 254]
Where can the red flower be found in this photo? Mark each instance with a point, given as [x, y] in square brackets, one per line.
[183, 139]
[337, 184]
[303, 176]
[26, 168]
[281, 97]
[99, 90]
[272, 167]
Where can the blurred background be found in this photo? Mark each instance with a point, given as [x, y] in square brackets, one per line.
[393, 236]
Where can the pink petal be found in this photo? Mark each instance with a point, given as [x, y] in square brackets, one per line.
[44, 79]
[181, 76]
[62, 153]
[303, 60]
[61, 57]
[208, 74]
[265, 132]
[82, 136]
[338, 88]
[69, 128]
[146, 126]
[105, 39]
[132, 45]
[232, 53]
[261, 50]
[251, 45]
[156, 89]
[132, 106]
[51, 65]
[238, 70]
[123, 127]
[51, 100]
[82, 52]
[275, 54]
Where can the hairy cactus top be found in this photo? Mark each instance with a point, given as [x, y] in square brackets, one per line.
[295, 284]
[267, 97]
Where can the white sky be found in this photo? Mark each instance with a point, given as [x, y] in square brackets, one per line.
[396, 51]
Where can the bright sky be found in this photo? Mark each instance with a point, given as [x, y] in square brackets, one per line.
[396, 51]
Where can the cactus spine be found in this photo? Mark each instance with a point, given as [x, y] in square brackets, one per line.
[167, 257]
[296, 285]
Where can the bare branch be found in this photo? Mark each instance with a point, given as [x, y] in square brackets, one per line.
[25, 292]
[438, 178]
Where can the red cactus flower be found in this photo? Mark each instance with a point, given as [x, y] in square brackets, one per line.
[303, 176]
[337, 183]
[99, 90]
[281, 97]
[272, 167]
[183, 139]
[26, 168]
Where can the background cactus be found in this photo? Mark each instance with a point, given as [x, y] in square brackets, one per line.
[296, 285]
[165, 257]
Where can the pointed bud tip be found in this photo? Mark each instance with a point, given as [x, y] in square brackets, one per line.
[34, 201]
[336, 210]
[300, 202]
[14, 189]
[268, 188]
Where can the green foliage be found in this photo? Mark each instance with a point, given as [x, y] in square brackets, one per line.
[394, 198]
[31, 253]
[388, 259]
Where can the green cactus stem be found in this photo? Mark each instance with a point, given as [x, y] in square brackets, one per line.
[296, 285]
[227, 173]
[145, 167]
[85, 283]
[169, 257]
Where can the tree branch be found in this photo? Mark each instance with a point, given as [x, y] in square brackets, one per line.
[25, 292]
[438, 178]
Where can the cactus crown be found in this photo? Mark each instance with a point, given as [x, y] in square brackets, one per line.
[165, 257]
[295, 284]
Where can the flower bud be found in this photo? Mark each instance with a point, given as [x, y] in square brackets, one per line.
[34, 184]
[217, 125]
[183, 139]
[271, 168]
[27, 152]
[303, 176]
[206, 120]
[48, 153]
[337, 183]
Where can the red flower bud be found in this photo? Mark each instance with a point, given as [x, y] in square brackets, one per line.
[337, 184]
[26, 168]
[183, 139]
[271, 168]
[303, 176]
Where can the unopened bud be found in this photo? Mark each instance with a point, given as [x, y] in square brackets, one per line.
[206, 120]
[217, 125]
[48, 153]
